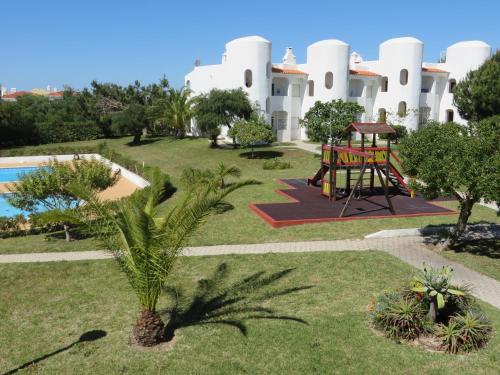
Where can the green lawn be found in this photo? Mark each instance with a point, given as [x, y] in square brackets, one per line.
[40, 243]
[46, 307]
[480, 255]
[241, 225]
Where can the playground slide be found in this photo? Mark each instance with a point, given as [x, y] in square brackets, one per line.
[317, 177]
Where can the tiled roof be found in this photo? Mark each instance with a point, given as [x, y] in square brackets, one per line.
[287, 71]
[56, 94]
[433, 70]
[370, 128]
[363, 73]
[16, 94]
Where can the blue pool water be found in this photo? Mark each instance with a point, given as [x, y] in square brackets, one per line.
[13, 174]
[6, 210]
[10, 175]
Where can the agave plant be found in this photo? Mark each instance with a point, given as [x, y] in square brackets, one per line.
[144, 244]
[435, 284]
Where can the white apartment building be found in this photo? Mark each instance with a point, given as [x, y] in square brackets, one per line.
[398, 86]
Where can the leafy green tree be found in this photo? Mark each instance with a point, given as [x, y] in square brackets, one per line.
[456, 160]
[249, 133]
[178, 110]
[325, 119]
[145, 244]
[132, 120]
[221, 108]
[50, 186]
[478, 95]
[401, 132]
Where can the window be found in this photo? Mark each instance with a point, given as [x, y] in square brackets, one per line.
[382, 115]
[356, 87]
[295, 90]
[248, 78]
[402, 109]
[403, 76]
[329, 80]
[449, 115]
[279, 86]
[268, 105]
[188, 83]
[384, 85]
[269, 69]
[310, 86]
[451, 85]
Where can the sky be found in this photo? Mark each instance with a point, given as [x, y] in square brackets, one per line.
[58, 43]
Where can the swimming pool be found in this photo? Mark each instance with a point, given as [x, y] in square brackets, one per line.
[6, 210]
[13, 174]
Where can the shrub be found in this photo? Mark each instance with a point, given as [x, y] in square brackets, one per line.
[276, 163]
[465, 331]
[401, 132]
[399, 316]
[462, 326]
[68, 131]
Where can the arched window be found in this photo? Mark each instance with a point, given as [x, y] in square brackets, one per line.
[248, 78]
[329, 80]
[403, 76]
[451, 85]
[310, 86]
[188, 83]
[384, 85]
[402, 109]
[269, 69]
[268, 105]
[382, 115]
[449, 115]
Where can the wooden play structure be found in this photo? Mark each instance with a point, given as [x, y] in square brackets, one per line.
[341, 165]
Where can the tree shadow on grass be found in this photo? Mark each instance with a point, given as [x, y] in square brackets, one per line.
[482, 239]
[85, 337]
[261, 154]
[143, 142]
[215, 301]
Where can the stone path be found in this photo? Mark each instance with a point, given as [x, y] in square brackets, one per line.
[410, 249]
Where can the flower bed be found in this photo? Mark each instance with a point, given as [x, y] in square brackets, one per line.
[431, 312]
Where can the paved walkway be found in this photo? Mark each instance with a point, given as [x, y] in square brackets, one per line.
[409, 249]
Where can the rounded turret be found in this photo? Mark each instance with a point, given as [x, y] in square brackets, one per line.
[465, 56]
[400, 61]
[248, 61]
[328, 67]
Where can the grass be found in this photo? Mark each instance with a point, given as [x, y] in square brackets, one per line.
[53, 242]
[48, 306]
[480, 255]
[240, 224]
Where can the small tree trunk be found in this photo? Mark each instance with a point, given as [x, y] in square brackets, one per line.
[214, 141]
[137, 139]
[432, 314]
[252, 152]
[66, 232]
[466, 205]
[148, 329]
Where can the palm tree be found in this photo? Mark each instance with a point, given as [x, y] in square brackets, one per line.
[178, 110]
[221, 172]
[144, 245]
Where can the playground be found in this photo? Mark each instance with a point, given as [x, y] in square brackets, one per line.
[351, 183]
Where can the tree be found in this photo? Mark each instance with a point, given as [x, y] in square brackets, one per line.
[221, 108]
[249, 133]
[50, 186]
[145, 245]
[132, 120]
[178, 110]
[401, 133]
[325, 119]
[456, 160]
[478, 95]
